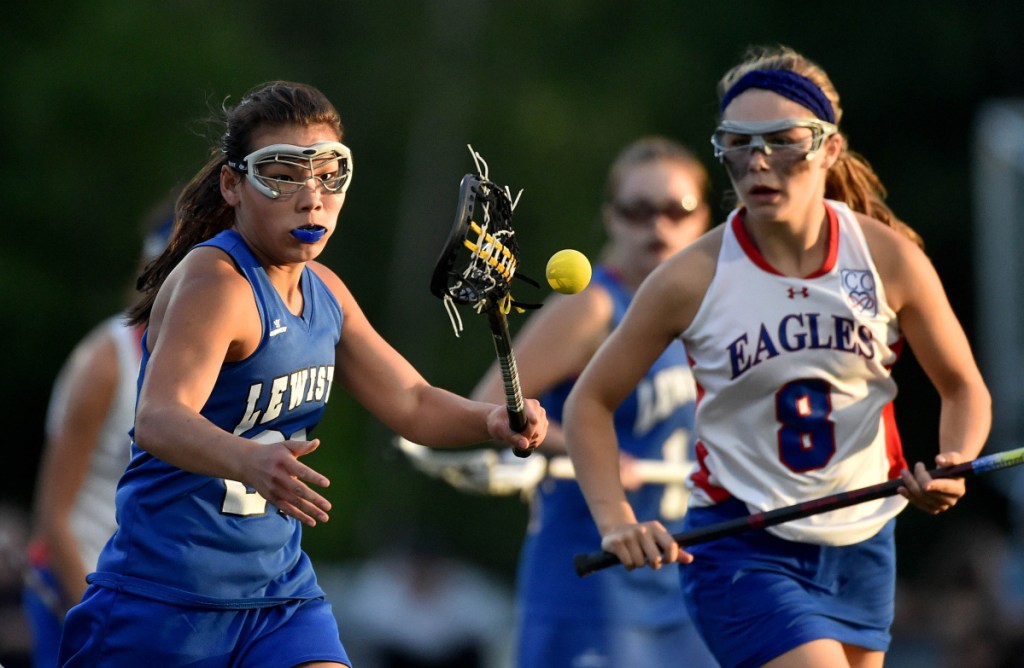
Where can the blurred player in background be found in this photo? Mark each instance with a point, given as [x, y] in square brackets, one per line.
[246, 336]
[792, 314]
[654, 206]
[91, 410]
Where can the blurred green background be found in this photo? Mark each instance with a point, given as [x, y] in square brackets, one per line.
[103, 105]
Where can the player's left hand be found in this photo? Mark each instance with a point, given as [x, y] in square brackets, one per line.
[933, 495]
[531, 437]
[275, 472]
[638, 544]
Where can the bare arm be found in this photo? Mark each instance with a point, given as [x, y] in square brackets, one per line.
[941, 347]
[87, 386]
[663, 307]
[384, 382]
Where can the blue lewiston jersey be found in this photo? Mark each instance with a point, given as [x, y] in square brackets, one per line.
[654, 422]
[194, 539]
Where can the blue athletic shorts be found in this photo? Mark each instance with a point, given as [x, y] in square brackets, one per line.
[44, 623]
[755, 596]
[115, 629]
[560, 643]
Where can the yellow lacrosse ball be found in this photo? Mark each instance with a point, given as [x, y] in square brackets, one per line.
[568, 271]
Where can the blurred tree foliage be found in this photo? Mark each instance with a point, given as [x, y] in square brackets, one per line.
[105, 107]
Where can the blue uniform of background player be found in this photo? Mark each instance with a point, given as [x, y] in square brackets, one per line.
[247, 337]
[614, 617]
[654, 205]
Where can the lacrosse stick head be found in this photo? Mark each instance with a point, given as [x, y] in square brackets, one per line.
[481, 255]
[483, 471]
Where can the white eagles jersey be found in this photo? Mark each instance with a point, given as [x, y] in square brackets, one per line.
[794, 385]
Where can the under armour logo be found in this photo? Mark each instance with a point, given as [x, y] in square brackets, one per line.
[277, 328]
[793, 292]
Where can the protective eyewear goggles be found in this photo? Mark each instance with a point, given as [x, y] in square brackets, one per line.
[284, 169]
[787, 138]
[642, 211]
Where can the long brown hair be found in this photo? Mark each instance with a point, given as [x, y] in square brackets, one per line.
[851, 179]
[200, 212]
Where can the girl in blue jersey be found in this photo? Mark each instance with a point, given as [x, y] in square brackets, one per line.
[247, 335]
[654, 205]
[792, 314]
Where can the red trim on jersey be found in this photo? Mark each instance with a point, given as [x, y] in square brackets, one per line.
[897, 349]
[700, 388]
[139, 331]
[833, 244]
[702, 477]
[38, 552]
[893, 443]
[747, 244]
[750, 248]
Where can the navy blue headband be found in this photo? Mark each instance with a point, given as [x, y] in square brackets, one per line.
[788, 84]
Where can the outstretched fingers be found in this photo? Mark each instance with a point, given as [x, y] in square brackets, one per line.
[288, 485]
[300, 501]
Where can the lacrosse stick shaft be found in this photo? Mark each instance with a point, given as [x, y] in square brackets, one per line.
[509, 373]
[594, 561]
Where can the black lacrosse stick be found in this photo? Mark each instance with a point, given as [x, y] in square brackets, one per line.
[587, 563]
[476, 268]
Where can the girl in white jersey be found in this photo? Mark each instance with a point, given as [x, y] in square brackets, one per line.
[91, 409]
[792, 313]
